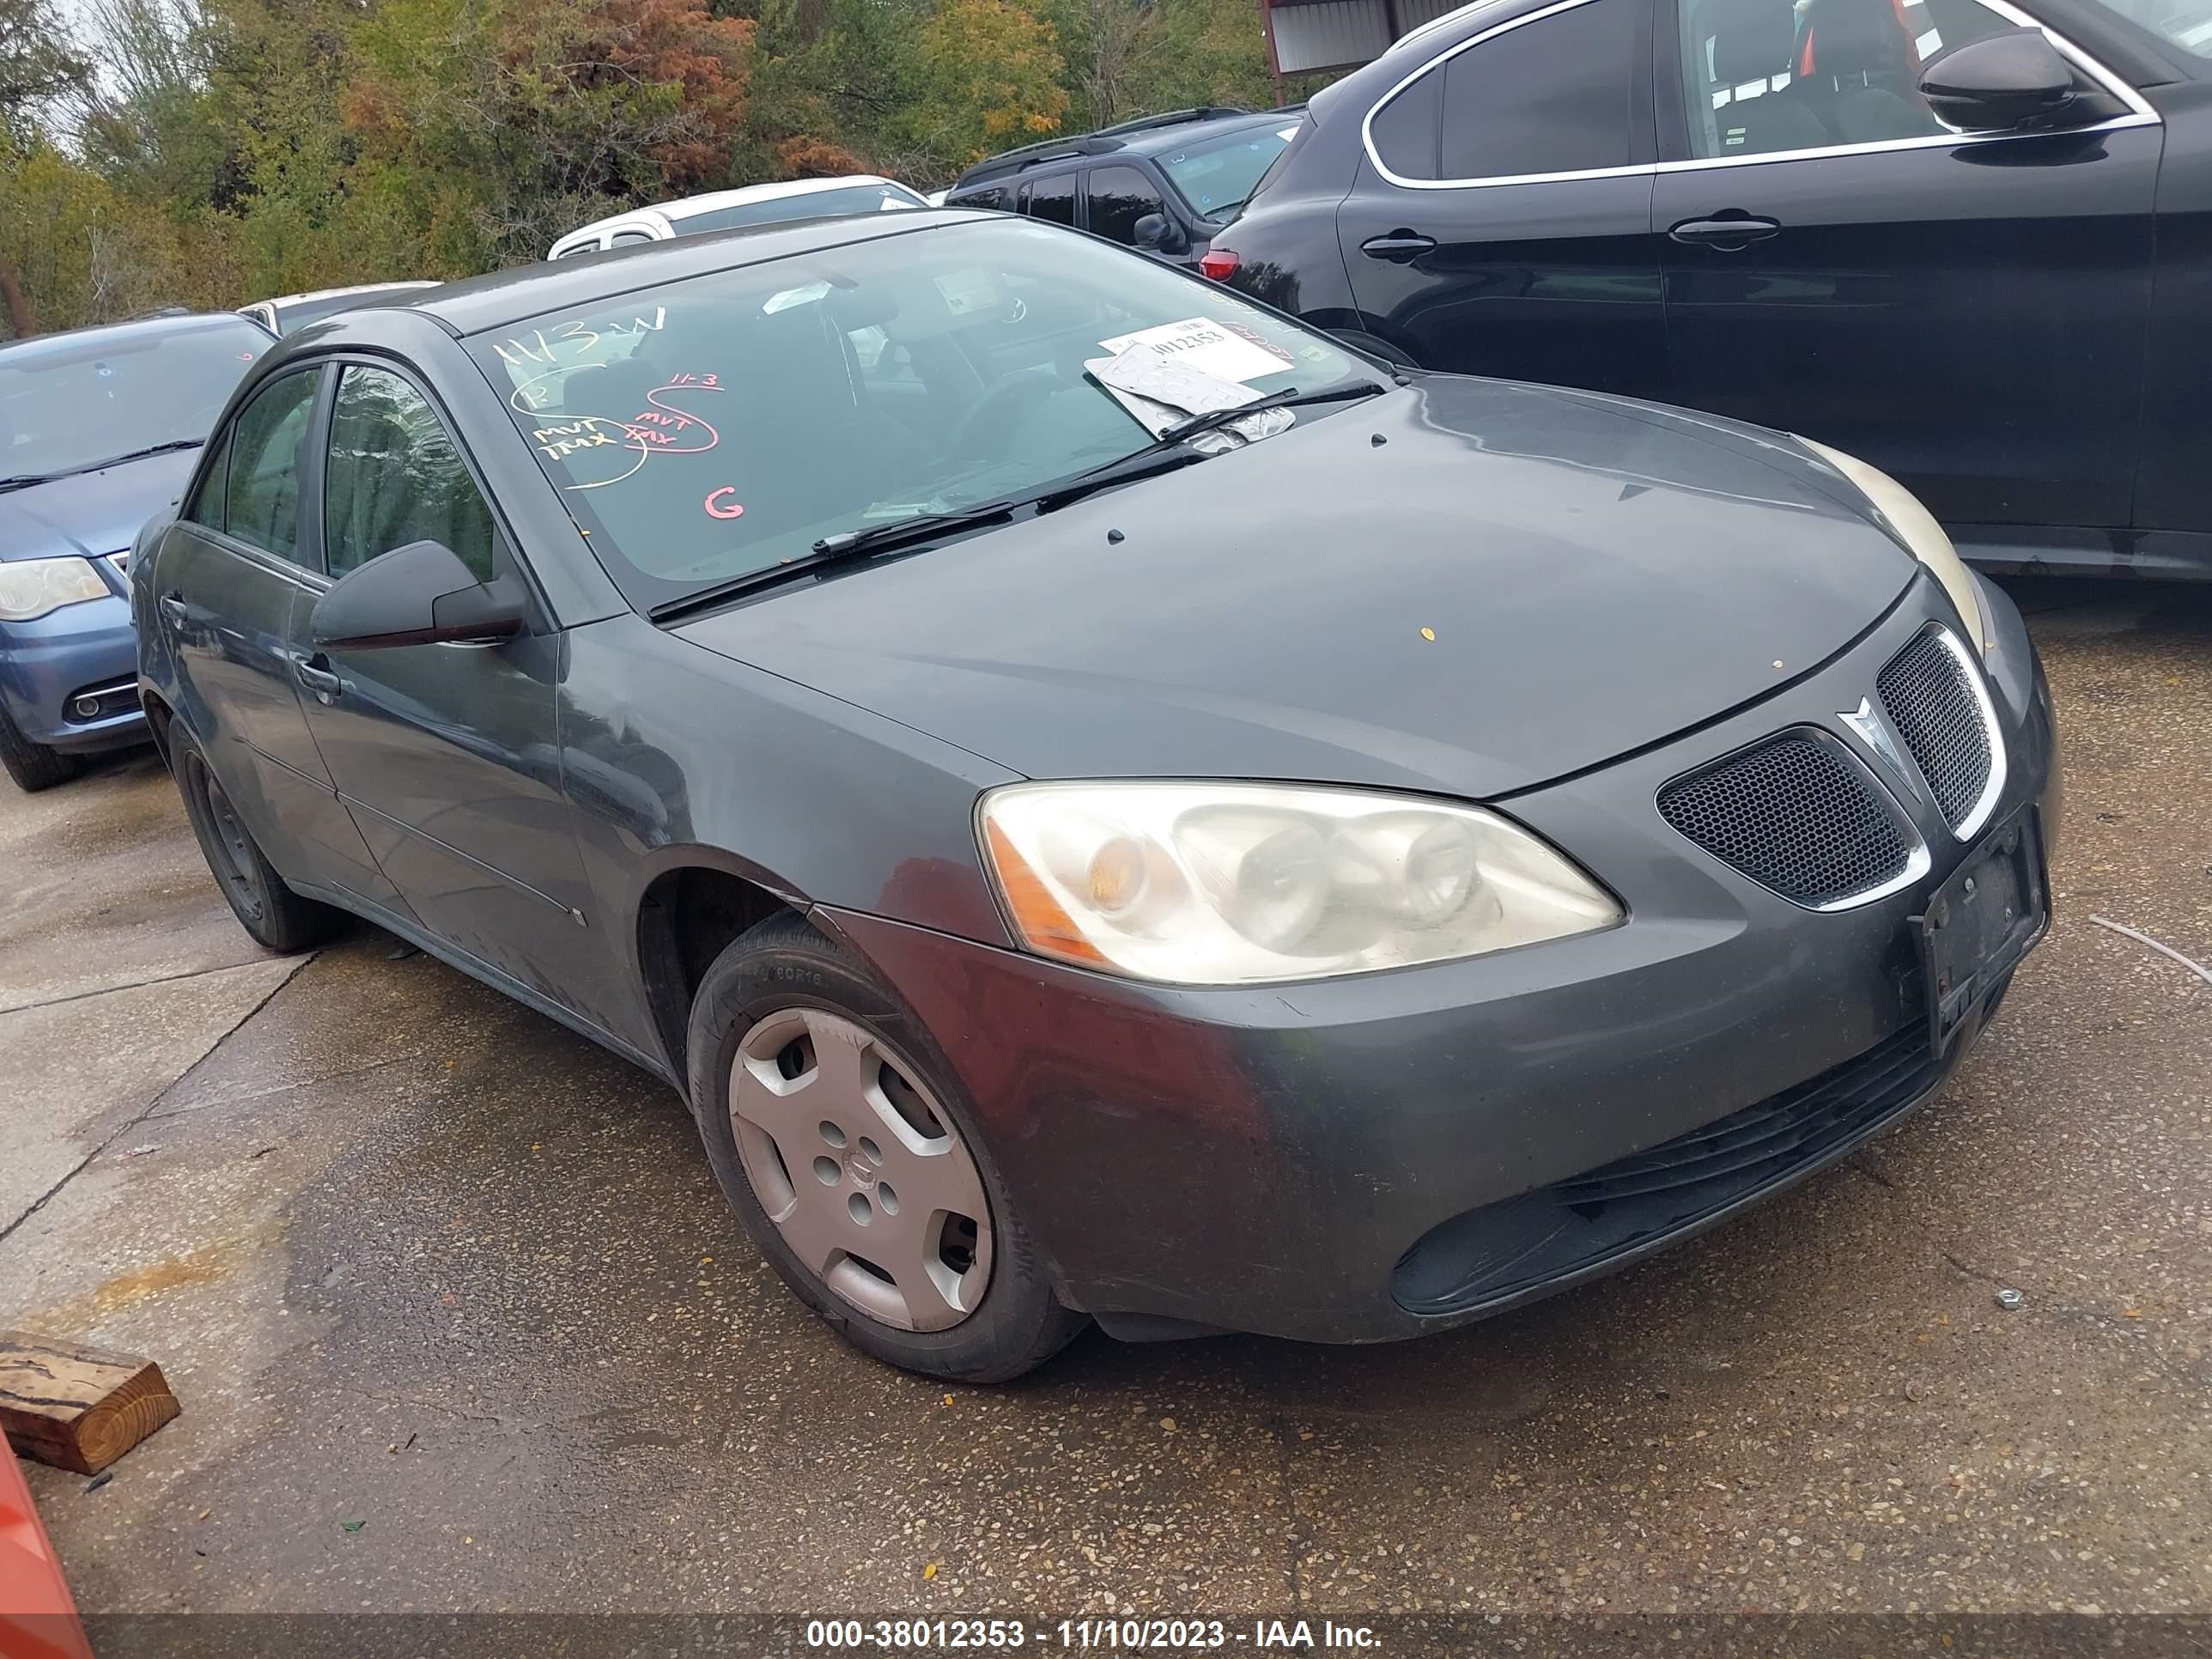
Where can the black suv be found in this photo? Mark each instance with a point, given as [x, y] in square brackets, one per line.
[1163, 184]
[1969, 241]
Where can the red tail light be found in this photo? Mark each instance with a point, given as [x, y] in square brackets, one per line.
[1218, 263]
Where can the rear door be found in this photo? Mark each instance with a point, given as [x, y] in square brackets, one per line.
[234, 576]
[448, 755]
[1968, 312]
[1501, 223]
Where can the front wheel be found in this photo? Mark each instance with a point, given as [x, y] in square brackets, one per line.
[848, 1155]
[32, 765]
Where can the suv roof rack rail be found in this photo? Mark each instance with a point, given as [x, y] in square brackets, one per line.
[1101, 143]
[1173, 118]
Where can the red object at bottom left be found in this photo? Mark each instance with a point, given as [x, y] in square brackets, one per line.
[38, 1620]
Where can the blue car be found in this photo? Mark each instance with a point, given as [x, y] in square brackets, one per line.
[99, 428]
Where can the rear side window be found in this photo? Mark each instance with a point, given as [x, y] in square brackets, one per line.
[1051, 198]
[1406, 129]
[994, 196]
[395, 477]
[1557, 95]
[262, 508]
[1115, 198]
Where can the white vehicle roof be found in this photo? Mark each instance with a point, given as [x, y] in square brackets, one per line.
[338, 293]
[665, 219]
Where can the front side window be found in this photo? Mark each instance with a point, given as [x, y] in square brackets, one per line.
[1115, 199]
[629, 238]
[1557, 95]
[261, 507]
[1052, 199]
[754, 410]
[394, 477]
[76, 406]
[1216, 176]
[1764, 77]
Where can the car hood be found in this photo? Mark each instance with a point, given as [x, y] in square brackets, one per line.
[1467, 586]
[91, 513]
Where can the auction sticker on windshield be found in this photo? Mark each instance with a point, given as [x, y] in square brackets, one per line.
[1204, 343]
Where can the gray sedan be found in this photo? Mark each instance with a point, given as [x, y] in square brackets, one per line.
[1109, 803]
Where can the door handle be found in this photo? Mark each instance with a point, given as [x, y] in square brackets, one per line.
[322, 682]
[1725, 235]
[1400, 247]
[173, 607]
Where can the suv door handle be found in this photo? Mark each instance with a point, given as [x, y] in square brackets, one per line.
[322, 682]
[1725, 235]
[173, 607]
[1400, 247]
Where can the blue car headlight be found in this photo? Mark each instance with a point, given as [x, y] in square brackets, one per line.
[31, 588]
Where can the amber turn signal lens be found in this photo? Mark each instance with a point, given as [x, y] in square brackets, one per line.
[1039, 920]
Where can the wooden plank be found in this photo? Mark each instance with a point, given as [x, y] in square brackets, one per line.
[77, 1407]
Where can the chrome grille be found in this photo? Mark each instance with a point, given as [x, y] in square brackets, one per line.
[1798, 816]
[1934, 699]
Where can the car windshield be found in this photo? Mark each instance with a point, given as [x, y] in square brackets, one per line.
[67, 409]
[1216, 176]
[708, 428]
[808, 204]
[2184, 23]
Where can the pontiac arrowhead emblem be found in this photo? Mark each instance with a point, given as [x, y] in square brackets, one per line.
[1871, 732]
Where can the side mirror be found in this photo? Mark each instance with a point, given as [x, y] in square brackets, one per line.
[1156, 233]
[418, 594]
[1996, 84]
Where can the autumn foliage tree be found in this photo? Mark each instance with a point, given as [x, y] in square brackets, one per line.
[993, 70]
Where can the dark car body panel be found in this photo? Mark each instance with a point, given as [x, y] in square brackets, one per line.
[517, 807]
[2015, 325]
[1515, 509]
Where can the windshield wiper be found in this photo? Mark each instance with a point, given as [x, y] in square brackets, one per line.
[170, 447]
[835, 550]
[1166, 452]
[29, 478]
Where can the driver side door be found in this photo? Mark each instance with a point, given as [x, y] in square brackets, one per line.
[447, 755]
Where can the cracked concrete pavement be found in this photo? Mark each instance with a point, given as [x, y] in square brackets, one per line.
[416, 1258]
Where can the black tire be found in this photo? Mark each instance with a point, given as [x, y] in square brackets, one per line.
[272, 913]
[32, 765]
[781, 964]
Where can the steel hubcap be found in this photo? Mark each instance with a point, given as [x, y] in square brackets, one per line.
[236, 863]
[861, 1169]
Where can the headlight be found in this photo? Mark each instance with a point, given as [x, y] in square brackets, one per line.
[31, 587]
[1223, 883]
[1913, 525]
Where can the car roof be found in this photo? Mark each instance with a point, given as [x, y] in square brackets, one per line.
[18, 352]
[1145, 136]
[685, 207]
[504, 297]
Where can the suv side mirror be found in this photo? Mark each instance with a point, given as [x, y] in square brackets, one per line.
[1998, 83]
[418, 594]
[1156, 233]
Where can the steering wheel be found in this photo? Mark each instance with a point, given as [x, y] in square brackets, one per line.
[994, 414]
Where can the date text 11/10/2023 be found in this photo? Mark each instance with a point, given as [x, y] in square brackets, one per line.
[1124, 1635]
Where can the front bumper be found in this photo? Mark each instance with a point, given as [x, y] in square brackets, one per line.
[1344, 1160]
[81, 652]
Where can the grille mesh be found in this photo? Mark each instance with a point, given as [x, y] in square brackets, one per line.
[1795, 815]
[1932, 704]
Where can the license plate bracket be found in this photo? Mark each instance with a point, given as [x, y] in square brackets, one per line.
[1981, 922]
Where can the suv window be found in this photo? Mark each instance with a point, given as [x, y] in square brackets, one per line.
[261, 498]
[994, 196]
[1557, 95]
[1050, 198]
[1115, 198]
[1765, 75]
[395, 477]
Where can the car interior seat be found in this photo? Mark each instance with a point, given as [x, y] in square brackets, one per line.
[1751, 43]
[1861, 72]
